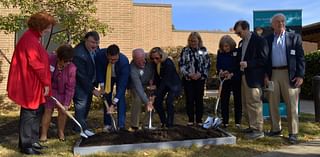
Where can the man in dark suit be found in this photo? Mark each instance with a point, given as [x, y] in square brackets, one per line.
[113, 68]
[253, 60]
[86, 77]
[286, 68]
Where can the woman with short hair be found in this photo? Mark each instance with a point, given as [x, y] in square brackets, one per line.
[29, 80]
[63, 73]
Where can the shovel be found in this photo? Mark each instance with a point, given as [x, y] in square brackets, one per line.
[114, 125]
[82, 134]
[150, 91]
[214, 122]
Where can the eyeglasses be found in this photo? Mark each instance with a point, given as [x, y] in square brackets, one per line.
[155, 58]
[238, 33]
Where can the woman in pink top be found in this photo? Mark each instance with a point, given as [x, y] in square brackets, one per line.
[63, 73]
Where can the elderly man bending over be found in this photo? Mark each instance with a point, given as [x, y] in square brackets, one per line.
[141, 76]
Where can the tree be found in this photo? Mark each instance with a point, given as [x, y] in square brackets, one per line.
[74, 17]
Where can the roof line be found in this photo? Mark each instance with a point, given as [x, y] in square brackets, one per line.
[152, 5]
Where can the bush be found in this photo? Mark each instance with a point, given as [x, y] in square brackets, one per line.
[312, 69]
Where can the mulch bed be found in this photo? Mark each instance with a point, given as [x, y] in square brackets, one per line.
[176, 133]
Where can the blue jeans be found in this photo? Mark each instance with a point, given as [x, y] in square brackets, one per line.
[82, 106]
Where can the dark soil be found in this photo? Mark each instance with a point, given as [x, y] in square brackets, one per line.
[176, 133]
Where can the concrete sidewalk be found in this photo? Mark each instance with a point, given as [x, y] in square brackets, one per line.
[308, 149]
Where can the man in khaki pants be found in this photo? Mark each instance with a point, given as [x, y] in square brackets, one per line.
[253, 62]
[141, 73]
[286, 68]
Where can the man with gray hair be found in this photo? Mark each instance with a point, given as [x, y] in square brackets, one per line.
[286, 68]
[141, 76]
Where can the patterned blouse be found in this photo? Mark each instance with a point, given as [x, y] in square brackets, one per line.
[194, 60]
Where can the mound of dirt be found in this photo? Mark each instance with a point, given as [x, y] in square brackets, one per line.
[176, 133]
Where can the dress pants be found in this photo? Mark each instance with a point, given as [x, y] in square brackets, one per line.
[121, 108]
[135, 109]
[194, 91]
[166, 119]
[252, 105]
[29, 126]
[290, 96]
[235, 87]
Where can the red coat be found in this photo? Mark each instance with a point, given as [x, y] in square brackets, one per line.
[29, 72]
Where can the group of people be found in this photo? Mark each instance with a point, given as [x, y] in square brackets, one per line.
[83, 71]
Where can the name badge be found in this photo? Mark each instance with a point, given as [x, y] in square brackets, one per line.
[234, 53]
[293, 52]
[52, 68]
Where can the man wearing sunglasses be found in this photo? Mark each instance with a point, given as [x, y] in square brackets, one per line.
[253, 61]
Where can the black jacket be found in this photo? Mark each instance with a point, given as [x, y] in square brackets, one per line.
[257, 58]
[168, 77]
[295, 55]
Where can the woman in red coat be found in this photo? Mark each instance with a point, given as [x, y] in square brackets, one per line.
[29, 80]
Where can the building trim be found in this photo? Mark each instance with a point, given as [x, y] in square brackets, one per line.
[204, 31]
[152, 5]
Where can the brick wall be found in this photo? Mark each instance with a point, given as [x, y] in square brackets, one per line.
[309, 46]
[210, 38]
[152, 25]
[7, 47]
[118, 15]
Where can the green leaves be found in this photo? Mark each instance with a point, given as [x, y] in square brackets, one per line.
[74, 17]
[312, 69]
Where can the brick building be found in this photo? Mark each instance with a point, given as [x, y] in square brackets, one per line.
[133, 25]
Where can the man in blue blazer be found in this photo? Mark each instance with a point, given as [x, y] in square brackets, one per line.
[253, 60]
[118, 71]
[286, 68]
[84, 59]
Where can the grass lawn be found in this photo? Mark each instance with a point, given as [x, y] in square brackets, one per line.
[244, 148]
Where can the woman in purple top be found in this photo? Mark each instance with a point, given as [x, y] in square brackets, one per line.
[63, 74]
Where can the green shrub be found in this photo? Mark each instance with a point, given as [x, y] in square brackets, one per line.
[312, 69]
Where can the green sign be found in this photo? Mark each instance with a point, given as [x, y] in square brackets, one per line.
[261, 19]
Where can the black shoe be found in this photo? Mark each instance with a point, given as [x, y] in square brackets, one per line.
[293, 138]
[30, 151]
[123, 130]
[254, 135]
[273, 133]
[37, 145]
[247, 130]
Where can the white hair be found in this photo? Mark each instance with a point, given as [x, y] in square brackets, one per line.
[278, 15]
[137, 52]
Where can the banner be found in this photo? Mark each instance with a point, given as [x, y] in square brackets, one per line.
[262, 20]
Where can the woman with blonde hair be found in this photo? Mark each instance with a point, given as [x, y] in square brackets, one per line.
[228, 65]
[167, 83]
[194, 65]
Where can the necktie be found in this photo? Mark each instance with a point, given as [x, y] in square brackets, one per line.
[108, 78]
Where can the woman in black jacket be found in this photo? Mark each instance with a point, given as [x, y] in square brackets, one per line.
[228, 64]
[167, 82]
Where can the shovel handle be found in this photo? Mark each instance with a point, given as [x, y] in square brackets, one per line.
[58, 103]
